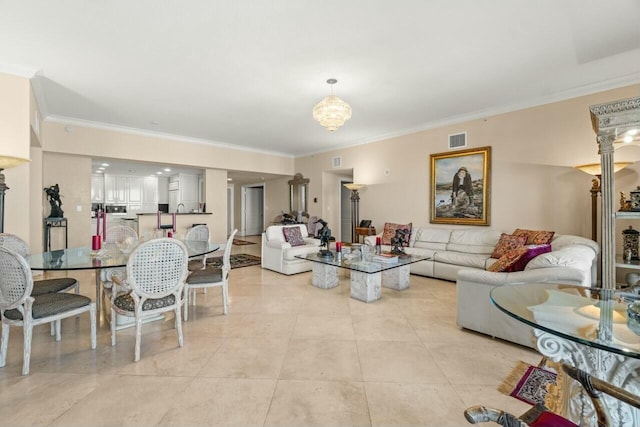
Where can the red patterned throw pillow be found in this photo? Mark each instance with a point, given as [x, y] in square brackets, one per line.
[390, 231]
[535, 237]
[293, 236]
[507, 243]
[509, 259]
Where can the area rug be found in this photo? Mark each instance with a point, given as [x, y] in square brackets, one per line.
[528, 383]
[237, 261]
[240, 242]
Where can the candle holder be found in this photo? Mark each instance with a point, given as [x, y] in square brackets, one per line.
[96, 242]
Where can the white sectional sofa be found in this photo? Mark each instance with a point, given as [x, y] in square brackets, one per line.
[278, 255]
[463, 255]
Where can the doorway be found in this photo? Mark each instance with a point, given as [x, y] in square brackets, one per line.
[345, 212]
[230, 219]
[253, 210]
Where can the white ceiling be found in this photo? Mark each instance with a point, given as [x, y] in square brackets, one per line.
[248, 73]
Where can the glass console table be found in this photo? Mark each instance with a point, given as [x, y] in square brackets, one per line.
[586, 328]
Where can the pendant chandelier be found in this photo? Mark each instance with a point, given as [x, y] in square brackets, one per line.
[332, 111]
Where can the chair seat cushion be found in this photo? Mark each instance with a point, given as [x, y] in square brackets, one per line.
[209, 275]
[125, 302]
[51, 304]
[51, 286]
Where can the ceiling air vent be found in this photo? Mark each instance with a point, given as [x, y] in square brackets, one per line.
[336, 162]
[458, 140]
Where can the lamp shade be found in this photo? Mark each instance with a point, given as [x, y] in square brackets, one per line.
[7, 162]
[354, 187]
[595, 168]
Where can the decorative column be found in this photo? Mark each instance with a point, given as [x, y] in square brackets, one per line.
[355, 215]
[605, 144]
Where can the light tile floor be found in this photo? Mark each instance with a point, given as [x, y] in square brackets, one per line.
[287, 354]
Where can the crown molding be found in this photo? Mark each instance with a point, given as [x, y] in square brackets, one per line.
[19, 70]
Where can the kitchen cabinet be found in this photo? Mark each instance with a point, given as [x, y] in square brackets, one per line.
[134, 187]
[150, 190]
[121, 189]
[183, 189]
[163, 190]
[110, 189]
[189, 191]
[97, 188]
[115, 189]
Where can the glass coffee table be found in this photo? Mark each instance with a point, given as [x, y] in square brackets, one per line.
[367, 277]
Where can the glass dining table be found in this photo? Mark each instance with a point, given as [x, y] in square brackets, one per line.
[110, 256]
[589, 328]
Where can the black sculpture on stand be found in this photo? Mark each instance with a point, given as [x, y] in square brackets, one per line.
[53, 194]
[325, 236]
[398, 240]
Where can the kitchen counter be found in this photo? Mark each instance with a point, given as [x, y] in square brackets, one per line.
[148, 222]
[178, 213]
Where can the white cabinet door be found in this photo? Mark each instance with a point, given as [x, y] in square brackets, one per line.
[110, 189]
[121, 189]
[189, 192]
[97, 188]
[135, 188]
[150, 190]
[163, 190]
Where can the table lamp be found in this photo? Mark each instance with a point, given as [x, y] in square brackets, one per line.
[6, 162]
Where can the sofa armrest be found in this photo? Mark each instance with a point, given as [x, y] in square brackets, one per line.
[312, 241]
[276, 244]
[566, 275]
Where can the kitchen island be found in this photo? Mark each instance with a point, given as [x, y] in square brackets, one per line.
[148, 222]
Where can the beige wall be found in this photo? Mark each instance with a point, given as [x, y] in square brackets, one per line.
[15, 139]
[73, 176]
[216, 197]
[533, 182]
[36, 211]
[105, 143]
[276, 198]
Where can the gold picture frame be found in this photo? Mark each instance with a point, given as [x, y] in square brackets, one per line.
[455, 174]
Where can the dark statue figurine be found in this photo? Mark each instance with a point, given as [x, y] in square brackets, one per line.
[53, 194]
[397, 242]
[325, 236]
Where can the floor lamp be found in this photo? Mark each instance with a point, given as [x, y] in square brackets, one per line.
[594, 170]
[355, 201]
[6, 162]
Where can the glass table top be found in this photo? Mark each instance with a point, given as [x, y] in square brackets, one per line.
[83, 258]
[369, 267]
[594, 317]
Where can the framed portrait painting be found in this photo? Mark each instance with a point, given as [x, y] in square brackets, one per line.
[460, 192]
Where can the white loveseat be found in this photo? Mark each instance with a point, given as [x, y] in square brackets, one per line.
[278, 255]
[463, 255]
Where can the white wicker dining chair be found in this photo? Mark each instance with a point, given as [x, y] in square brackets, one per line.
[199, 233]
[122, 236]
[209, 278]
[19, 308]
[154, 284]
[44, 286]
[119, 233]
